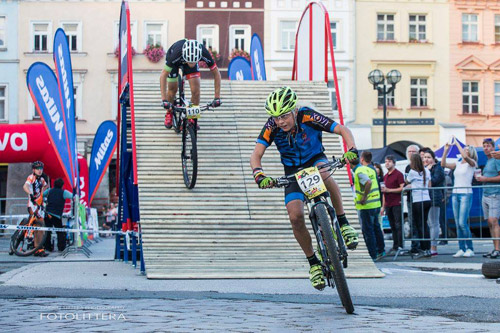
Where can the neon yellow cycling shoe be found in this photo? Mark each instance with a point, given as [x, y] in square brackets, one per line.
[350, 236]
[316, 276]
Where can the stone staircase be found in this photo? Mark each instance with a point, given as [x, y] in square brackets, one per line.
[225, 227]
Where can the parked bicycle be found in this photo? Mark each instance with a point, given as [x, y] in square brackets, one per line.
[331, 246]
[24, 243]
[185, 120]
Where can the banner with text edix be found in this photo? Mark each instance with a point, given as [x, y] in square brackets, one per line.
[64, 72]
[257, 58]
[43, 88]
[103, 149]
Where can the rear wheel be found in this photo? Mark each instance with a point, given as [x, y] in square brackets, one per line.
[23, 243]
[189, 156]
[333, 254]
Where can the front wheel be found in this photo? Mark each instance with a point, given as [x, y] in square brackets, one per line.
[24, 243]
[333, 256]
[189, 156]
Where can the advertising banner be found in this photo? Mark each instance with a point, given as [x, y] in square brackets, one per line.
[84, 181]
[257, 59]
[103, 148]
[123, 46]
[64, 73]
[44, 90]
[239, 69]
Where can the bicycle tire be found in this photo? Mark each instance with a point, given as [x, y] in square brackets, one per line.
[338, 273]
[18, 237]
[189, 156]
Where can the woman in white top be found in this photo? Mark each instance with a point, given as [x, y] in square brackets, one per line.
[419, 179]
[462, 194]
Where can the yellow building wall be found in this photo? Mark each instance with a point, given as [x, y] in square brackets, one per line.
[96, 64]
[414, 60]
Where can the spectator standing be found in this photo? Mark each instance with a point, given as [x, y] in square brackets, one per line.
[491, 195]
[411, 150]
[380, 179]
[392, 187]
[368, 204]
[461, 199]
[418, 180]
[437, 196]
[56, 198]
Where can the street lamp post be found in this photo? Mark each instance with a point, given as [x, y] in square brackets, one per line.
[377, 79]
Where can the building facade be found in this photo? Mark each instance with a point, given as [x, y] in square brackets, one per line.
[224, 26]
[412, 37]
[281, 21]
[9, 61]
[475, 68]
[92, 29]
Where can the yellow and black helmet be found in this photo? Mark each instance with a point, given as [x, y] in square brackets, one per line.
[281, 101]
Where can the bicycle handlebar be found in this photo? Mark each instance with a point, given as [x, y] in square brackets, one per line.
[285, 181]
[183, 109]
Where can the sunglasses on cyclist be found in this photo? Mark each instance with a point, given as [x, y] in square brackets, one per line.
[283, 116]
[39, 168]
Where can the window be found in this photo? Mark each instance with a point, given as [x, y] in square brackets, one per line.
[208, 35]
[469, 28]
[497, 97]
[497, 28]
[211, 4]
[236, 4]
[223, 4]
[333, 95]
[3, 32]
[73, 32]
[155, 33]
[390, 100]
[417, 28]
[287, 32]
[334, 31]
[239, 36]
[133, 34]
[3, 103]
[77, 95]
[418, 91]
[470, 97]
[385, 27]
[41, 33]
[199, 4]
[248, 4]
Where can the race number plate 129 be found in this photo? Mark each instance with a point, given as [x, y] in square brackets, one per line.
[193, 112]
[310, 182]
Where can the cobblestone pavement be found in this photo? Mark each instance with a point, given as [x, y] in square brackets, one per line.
[213, 315]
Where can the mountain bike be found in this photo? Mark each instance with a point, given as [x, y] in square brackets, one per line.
[24, 243]
[185, 120]
[331, 246]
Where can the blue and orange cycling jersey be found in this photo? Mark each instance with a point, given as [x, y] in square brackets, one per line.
[298, 147]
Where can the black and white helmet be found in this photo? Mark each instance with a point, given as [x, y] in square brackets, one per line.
[191, 51]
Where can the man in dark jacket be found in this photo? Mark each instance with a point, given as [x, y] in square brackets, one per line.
[56, 198]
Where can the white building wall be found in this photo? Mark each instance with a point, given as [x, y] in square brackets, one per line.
[279, 63]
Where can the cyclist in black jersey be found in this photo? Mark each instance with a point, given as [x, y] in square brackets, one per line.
[185, 54]
[297, 133]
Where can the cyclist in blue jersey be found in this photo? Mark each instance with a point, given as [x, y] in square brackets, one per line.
[297, 133]
[186, 54]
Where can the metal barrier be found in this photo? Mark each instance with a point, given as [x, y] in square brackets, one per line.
[458, 216]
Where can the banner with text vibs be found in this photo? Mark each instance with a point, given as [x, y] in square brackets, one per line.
[44, 90]
[239, 69]
[124, 46]
[257, 59]
[64, 72]
[103, 148]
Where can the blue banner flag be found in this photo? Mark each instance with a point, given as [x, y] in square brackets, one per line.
[64, 72]
[239, 69]
[43, 88]
[124, 45]
[257, 57]
[103, 148]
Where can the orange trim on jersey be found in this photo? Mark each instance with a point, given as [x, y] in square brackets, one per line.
[307, 118]
[193, 75]
[267, 135]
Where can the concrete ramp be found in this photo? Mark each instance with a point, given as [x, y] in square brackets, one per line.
[225, 227]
